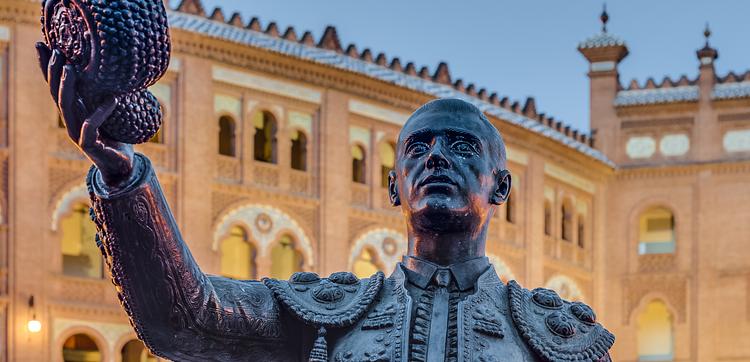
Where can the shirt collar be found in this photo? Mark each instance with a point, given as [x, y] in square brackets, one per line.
[420, 272]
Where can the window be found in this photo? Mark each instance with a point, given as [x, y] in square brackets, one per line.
[510, 210]
[80, 348]
[581, 231]
[654, 333]
[656, 232]
[265, 137]
[566, 220]
[387, 162]
[81, 257]
[285, 259]
[299, 151]
[547, 218]
[359, 172]
[238, 255]
[135, 351]
[227, 129]
[366, 264]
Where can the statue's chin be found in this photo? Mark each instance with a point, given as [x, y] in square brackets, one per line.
[442, 214]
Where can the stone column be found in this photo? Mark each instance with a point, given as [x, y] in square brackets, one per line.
[335, 183]
[534, 221]
[196, 157]
[28, 176]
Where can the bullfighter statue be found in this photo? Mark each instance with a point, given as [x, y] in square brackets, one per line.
[443, 302]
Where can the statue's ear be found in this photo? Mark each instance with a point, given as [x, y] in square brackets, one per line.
[393, 189]
[502, 188]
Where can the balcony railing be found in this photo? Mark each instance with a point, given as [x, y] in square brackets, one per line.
[300, 182]
[84, 290]
[266, 174]
[360, 194]
[567, 251]
[228, 168]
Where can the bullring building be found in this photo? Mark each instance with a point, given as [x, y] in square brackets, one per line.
[274, 155]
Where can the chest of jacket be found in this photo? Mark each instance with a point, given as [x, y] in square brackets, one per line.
[484, 329]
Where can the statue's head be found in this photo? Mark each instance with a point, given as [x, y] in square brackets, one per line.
[450, 169]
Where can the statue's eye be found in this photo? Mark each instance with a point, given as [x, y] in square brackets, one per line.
[463, 147]
[416, 149]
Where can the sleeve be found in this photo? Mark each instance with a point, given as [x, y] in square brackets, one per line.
[179, 312]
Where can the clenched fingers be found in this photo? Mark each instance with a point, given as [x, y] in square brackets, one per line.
[66, 102]
[43, 55]
[54, 72]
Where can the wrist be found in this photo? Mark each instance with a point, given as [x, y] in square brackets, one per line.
[108, 187]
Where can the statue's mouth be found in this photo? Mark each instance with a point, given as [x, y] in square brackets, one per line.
[437, 180]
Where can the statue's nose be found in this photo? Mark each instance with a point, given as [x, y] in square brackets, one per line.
[436, 158]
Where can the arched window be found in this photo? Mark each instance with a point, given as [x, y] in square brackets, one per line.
[265, 137]
[135, 351]
[547, 218]
[366, 264]
[359, 172]
[81, 256]
[566, 220]
[285, 259]
[80, 348]
[238, 255]
[299, 151]
[510, 209]
[654, 333]
[387, 161]
[581, 230]
[656, 232]
[227, 129]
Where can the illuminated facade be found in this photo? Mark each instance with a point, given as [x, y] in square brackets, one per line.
[273, 157]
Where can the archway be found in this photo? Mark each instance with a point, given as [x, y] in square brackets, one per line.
[265, 225]
[382, 247]
[135, 351]
[81, 347]
[655, 334]
[238, 255]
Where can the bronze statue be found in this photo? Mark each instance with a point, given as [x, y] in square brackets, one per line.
[444, 302]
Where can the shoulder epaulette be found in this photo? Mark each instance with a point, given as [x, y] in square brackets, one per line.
[558, 330]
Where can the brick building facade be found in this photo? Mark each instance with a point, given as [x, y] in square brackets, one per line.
[272, 157]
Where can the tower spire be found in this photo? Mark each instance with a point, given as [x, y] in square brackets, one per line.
[707, 54]
[604, 17]
[707, 34]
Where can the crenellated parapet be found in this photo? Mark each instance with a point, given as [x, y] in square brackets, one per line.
[438, 83]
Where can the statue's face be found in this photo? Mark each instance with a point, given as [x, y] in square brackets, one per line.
[445, 175]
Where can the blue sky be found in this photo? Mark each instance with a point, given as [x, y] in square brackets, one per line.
[523, 48]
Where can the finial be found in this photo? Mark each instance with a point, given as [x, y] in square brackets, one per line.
[707, 33]
[604, 18]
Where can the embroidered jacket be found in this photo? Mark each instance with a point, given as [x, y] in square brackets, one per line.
[185, 315]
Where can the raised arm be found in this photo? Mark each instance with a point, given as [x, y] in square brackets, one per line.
[179, 312]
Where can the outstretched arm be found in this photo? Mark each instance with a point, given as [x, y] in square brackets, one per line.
[178, 311]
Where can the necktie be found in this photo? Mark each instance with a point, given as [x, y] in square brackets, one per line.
[439, 320]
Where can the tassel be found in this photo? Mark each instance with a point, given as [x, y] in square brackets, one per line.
[319, 351]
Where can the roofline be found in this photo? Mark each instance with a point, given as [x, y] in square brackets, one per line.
[248, 37]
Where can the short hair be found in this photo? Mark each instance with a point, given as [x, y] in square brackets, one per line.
[455, 105]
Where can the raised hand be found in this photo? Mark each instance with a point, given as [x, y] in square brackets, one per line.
[113, 159]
